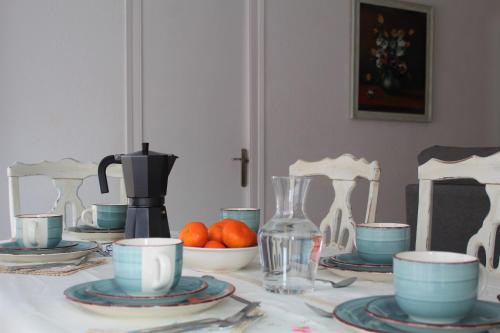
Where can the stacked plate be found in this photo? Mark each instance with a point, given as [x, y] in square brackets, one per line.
[382, 314]
[350, 264]
[191, 295]
[66, 250]
[89, 233]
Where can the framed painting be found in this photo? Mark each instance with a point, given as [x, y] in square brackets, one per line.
[392, 61]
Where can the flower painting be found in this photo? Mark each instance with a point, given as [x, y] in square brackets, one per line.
[392, 48]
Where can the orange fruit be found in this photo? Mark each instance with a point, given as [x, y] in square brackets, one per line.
[215, 232]
[238, 234]
[194, 234]
[214, 244]
[223, 222]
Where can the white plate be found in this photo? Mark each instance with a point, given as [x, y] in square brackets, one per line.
[218, 260]
[75, 252]
[147, 312]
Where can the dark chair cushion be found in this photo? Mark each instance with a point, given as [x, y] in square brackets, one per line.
[448, 153]
[458, 213]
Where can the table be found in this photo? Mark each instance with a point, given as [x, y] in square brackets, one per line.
[36, 303]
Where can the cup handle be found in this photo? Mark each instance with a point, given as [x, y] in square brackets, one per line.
[354, 236]
[164, 272]
[32, 241]
[483, 279]
[85, 219]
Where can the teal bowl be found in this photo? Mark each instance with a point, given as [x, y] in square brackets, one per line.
[249, 216]
[379, 242]
[436, 287]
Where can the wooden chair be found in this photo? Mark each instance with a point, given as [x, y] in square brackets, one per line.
[485, 170]
[67, 176]
[343, 171]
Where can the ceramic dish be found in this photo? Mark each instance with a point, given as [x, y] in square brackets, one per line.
[216, 291]
[353, 315]
[94, 234]
[353, 260]
[79, 250]
[484, 316]
[370, 274]
[218, 260]
[187, 286]
[14, 248]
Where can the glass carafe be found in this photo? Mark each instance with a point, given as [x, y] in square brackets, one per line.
[289, 243]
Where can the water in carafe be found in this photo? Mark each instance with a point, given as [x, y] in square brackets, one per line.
[289, 244]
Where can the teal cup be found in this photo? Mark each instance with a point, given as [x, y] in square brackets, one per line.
[147, 266]
[436, 287]
[105, 216]
[249, 216]
[378, 242]
[42, 231]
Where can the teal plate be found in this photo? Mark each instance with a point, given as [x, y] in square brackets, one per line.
[68, 247]
[14, 247]
[216, 291]
[71, 253]
[329, 263]
[90, 229]
[353, 259]
[484, 316]
[352, 313]
[187, 286]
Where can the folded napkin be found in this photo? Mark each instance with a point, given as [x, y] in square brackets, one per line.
[53, 271]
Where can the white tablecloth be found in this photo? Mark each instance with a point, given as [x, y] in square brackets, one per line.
[37, 304]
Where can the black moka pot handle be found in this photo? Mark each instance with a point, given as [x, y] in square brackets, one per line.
[101, 170]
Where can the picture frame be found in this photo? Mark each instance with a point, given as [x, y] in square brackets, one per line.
[391, 54]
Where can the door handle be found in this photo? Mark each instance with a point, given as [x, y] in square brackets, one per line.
[244, 166]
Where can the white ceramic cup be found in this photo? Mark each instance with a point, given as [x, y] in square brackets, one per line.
[38, 230]
[105, 216]
[147, 266]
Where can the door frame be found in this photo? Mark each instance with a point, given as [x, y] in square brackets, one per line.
[255, 90]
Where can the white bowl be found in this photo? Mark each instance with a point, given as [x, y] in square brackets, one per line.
[218, 260]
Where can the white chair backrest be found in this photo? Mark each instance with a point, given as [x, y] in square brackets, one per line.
[343, 171]
[486, 170]
[67, 176]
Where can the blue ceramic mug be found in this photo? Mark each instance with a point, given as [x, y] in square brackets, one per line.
[147, 266]
[39, 230]
[249, 216]
[436, 287]
[105, 216]
[378, 242]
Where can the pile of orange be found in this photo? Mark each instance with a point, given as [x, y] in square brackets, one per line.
[225, 233]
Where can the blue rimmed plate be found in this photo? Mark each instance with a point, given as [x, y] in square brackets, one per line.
[15, 248]
[483, 317]
[216, 291]
[187, 286]
[84, 232]
[354, 261]
[378, 274]
[74, 252]
[353, 315]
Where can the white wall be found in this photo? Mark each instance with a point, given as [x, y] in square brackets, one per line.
[61, 89]
[307, 59]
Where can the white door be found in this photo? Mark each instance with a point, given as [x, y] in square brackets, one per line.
[194, 101]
